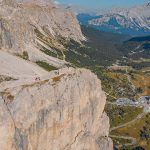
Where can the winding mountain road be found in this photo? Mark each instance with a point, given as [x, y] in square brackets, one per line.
[128, 123]
[133, 140]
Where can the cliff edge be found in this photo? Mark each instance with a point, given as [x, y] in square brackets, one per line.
[41, 110]
[62, 111]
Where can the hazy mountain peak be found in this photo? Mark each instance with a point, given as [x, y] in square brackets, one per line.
[133, 21]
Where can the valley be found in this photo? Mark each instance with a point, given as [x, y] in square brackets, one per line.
[122, 75]
[130, 81]
[128, 77]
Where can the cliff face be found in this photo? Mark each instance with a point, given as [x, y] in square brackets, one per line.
[63, 111]
[40, 110]
[47, 18]
[31, 27]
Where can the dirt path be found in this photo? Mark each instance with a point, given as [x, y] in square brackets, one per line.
[130, 80]
[133, 140]
[128, 123]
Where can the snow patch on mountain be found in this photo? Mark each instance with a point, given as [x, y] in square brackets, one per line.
[135, 20]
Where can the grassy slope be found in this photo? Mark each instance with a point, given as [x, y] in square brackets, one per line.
[45, 65]
[140, 130]
[97, 53]
[119, 115]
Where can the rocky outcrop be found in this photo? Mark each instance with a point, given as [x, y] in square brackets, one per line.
[61, 112]
[8, 3]
[19, 23]
[31, 27]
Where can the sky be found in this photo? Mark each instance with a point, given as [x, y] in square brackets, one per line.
[103, 3]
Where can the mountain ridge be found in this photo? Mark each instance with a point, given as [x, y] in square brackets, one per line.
[28, 28]
[133, 21]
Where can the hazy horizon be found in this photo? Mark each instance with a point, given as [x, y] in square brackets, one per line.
[102, 4]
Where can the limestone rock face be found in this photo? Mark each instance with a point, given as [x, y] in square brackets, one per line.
[62, 111]
[20, 23]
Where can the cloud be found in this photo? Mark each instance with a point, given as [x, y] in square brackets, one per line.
[56, 2]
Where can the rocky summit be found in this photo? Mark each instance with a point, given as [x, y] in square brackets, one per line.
[40, 110]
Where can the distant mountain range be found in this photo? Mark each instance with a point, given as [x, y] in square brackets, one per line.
[134, 21]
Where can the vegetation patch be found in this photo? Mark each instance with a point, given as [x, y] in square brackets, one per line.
[55, 53]
[115, 84]
[56, 44]
[139, 130]
[46, 66]
[119, 115]
[57, 78]
[120, 141]
[7, 96]
[10, 97]
[24, 55]
[142, 82]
